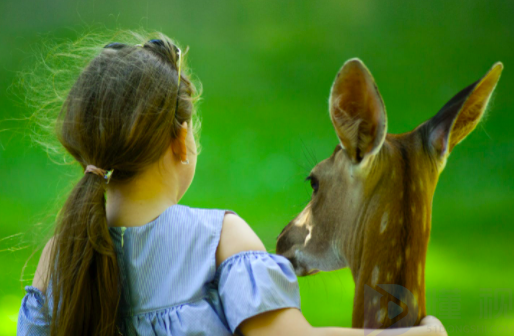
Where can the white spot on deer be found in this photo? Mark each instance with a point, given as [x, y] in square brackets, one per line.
[420, 270]
[303, 220]
[381, 315]
[374, 276]
[308, 237]
[416, 297]
[375, 301]
[303, 217]
[407, 252]
[384, 221]
[399, 262]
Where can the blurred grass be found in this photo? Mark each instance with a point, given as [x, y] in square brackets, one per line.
[266, 69]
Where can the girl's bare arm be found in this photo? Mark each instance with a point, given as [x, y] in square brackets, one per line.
[290, 321]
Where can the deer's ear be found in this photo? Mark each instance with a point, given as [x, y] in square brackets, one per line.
[357, 111]
[462, 113]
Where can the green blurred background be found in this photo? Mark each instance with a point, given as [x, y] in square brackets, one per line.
[266, 69]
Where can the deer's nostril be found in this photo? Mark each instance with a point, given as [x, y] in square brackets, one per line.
[294, 262]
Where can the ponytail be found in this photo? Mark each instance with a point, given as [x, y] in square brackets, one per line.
[83, 261]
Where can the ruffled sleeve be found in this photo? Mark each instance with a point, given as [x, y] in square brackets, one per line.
[32, 319]
[253, 282]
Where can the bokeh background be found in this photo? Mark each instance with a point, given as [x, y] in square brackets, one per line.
[266, 69]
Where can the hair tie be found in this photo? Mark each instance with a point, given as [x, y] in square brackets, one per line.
[106, 174]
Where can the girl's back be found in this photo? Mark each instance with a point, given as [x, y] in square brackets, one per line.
[171, 284]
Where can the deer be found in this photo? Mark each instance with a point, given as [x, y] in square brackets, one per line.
[371, 203]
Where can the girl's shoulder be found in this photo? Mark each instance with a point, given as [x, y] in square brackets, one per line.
[230, 234]
[233, 233]
[236, 236]
[249, 279]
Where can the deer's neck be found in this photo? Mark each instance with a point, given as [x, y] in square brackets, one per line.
[391, 270]
[388, 262]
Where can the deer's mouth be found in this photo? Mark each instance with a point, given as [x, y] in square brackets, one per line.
[300, 268]
[313, 271]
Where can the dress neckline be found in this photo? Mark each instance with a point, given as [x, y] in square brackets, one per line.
[157, 219]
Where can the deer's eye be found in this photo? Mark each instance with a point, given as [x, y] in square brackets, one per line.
[314, 182]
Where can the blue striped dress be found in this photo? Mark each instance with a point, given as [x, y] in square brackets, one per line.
[170, 283]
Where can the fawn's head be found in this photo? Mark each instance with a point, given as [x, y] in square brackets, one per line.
[371, 199]
[371, 202]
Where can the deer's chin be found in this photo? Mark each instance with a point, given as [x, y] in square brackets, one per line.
[301, 271]
[306, 264]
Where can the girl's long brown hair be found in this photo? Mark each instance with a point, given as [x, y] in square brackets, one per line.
[119, 114]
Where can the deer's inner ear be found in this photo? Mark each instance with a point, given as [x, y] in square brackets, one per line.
[357, 111]
[461, 114]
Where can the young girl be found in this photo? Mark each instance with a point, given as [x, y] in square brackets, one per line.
[136, 262]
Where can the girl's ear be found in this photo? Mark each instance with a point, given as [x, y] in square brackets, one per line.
[179, 144]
